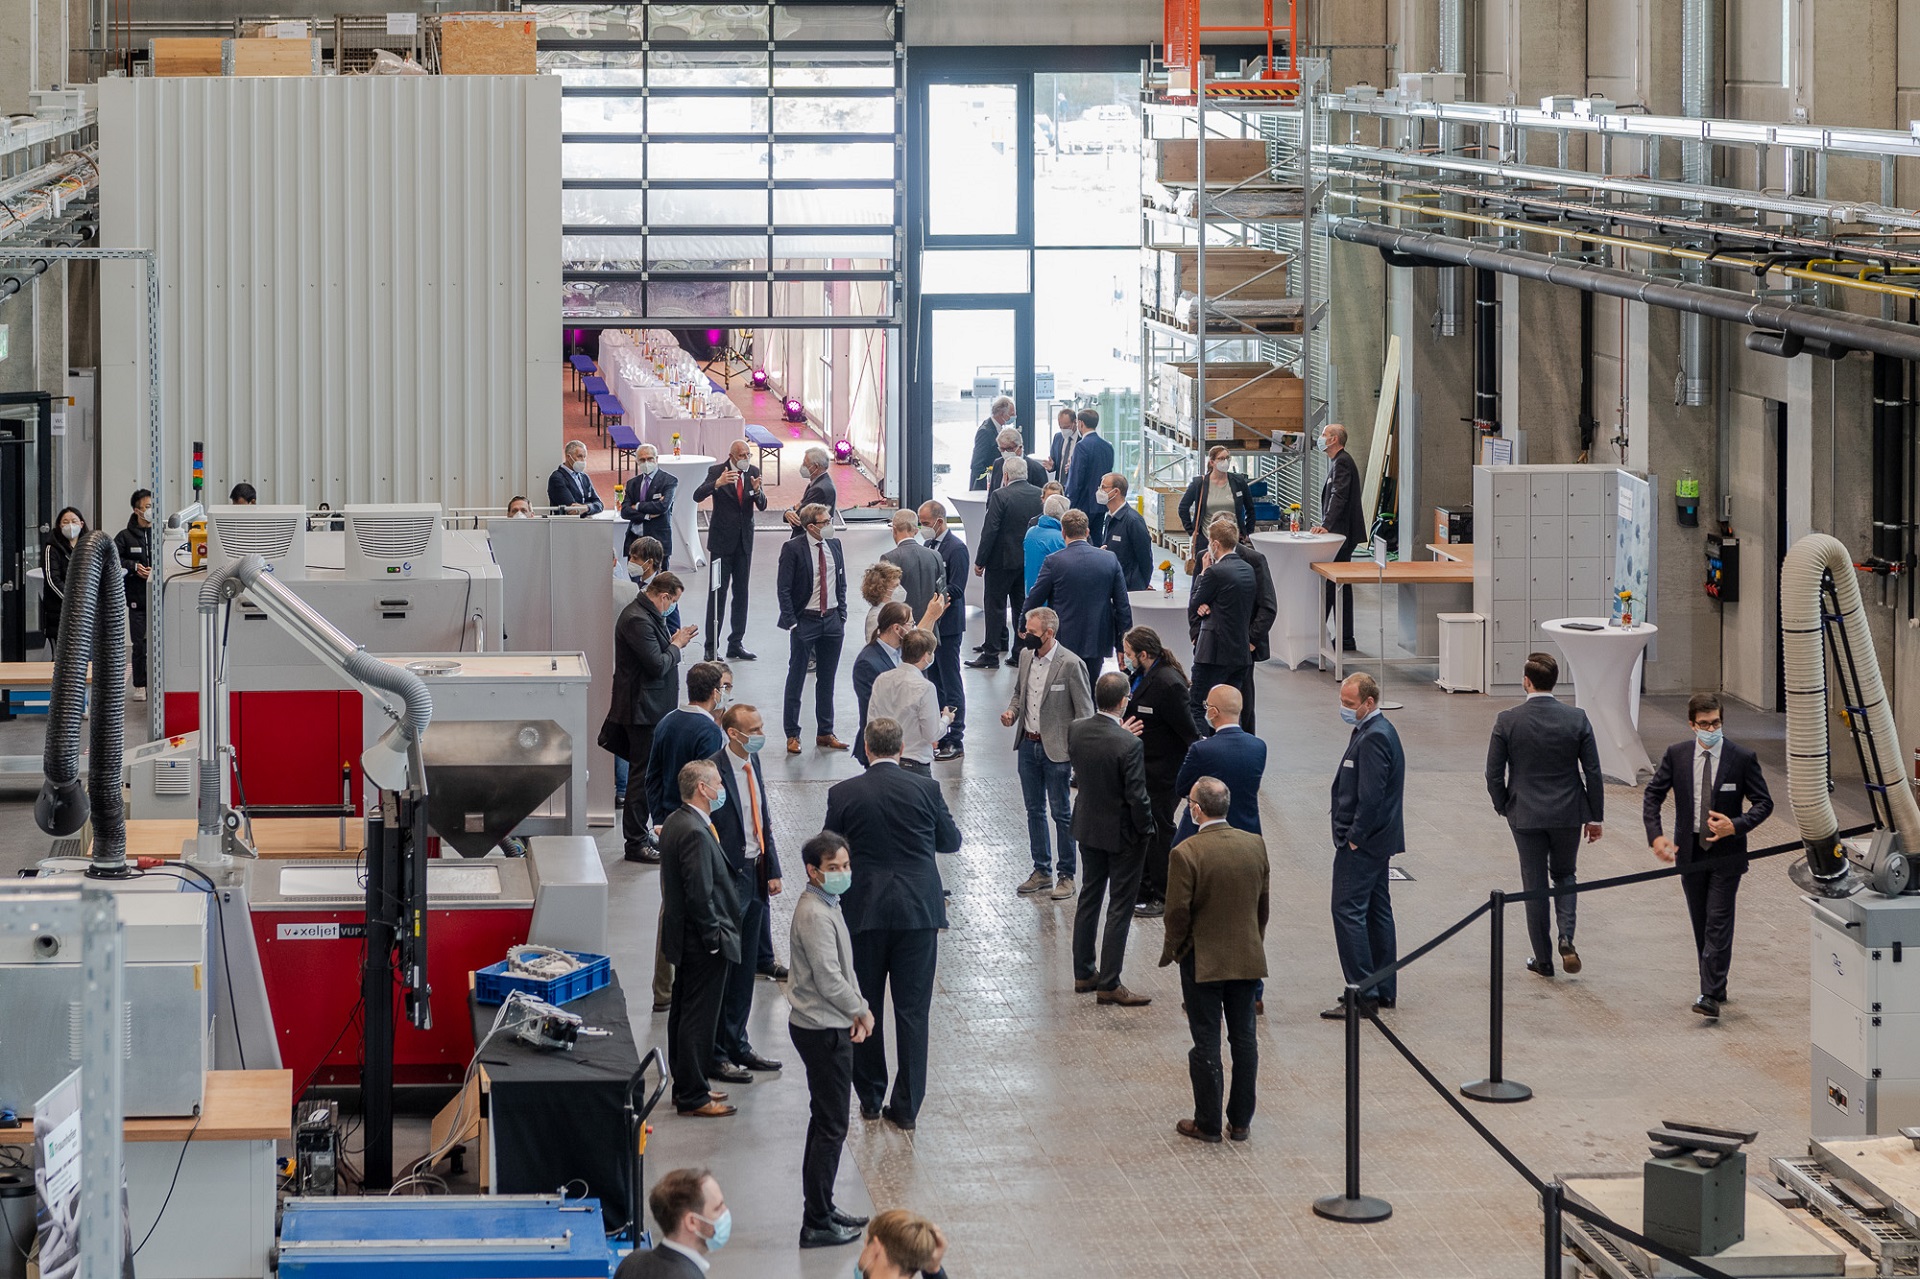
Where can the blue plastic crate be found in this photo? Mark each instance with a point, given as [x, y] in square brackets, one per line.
[492, 984]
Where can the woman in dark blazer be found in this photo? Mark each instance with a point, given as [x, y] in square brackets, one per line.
[1228, 486]
[1157, 711]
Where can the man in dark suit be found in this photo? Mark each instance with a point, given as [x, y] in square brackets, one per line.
[1012, 445]
[1217, 905]
[646, 504]
[1543, 774]
[1112, 822]
[894, 822]
[1340, 512]
[1084, 584]
[700, 922]
[1157, 712]
[1368, 831]
[985, 441]
[1719, 796]
[1266, 610]
[1092, 459]
[734, 486]
[999, 555]
[1221, 612]
[646, 684]
[569, 491]
[922, 574]
[1126, 532]
[687, 1206]
[744, 826]
[1066, 433]
[816, 468]
[812, 589]
[1232, 754]
[952, 626]
[875, 660]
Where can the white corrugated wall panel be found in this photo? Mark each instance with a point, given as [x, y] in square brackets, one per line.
[360, 284]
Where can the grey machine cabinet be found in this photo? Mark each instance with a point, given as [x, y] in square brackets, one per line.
[1544, 549]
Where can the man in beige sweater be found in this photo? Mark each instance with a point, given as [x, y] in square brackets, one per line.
[828, 1018]
[1216, 926]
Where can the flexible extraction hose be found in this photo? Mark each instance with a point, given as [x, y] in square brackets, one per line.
[93, 629]
[1808, 563]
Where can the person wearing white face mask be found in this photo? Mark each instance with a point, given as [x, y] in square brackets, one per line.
[646, 504]
[56, 553]
[828, 1017]
[694, 1222]
[1126, 532]
[816, 468]
[519, 508]
[745, 828]
[1719, 796]
[734, 485]
[1368, 831]
[700, 927]
[1221, 490]
[569, 491]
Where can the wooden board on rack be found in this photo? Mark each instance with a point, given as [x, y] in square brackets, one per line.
[1229, 160]
[1383, 420]
[486, 44]
[178, 56]
[271, 56]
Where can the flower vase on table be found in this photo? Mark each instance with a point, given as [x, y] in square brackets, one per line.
[1166, 576]
[1626, 610]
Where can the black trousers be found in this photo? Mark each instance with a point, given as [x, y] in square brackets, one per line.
[1116, 877]
[946, 679]
[1005, 592]
[698, 984]
[828, 1057]
[903, 958]
[1207, 1001]
[1549, 855]
[736, 575]
[137, 644]
[820, 638]
[635, 817]
[1344, 554]
[1153, 875]
[1208, 674]
[1710, 902]
[730, 1041]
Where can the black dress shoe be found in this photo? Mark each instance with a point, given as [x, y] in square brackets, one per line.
[737, 654]
[1539, 969]
[645, 856]
[1707, 1006]
[1237, 1134]
[1149, 910]
[731, 1073]
[945, 753]
[776, 973]
[870, 1113]
[892, 1116]
[984, 662]
[832, 1235]
[846, 1219]
[754, 1061]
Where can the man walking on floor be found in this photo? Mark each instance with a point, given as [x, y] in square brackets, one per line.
[1712, 780]
[1050, 691]
[734, 486]
[1112, 823]
[1543, 774]
[1368, 832]
[812, 590]
[1216, 926]
[702, 930]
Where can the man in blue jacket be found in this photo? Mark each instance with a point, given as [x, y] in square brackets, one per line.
[1044, 538]
[1367, 832]
[1126, 534]
[1084, 585]
[646, 504]
[1092, 461]
[1233, 755]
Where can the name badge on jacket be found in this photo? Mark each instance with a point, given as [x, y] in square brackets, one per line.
[1346, 763]
[1727, 786]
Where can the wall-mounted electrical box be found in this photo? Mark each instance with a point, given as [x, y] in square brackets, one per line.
[1723, 567]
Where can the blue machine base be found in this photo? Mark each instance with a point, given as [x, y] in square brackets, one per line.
[444, 1237]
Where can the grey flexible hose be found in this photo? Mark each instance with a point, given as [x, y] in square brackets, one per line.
[397, 680]
[93, 629]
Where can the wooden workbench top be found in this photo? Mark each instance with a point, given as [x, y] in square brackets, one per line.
[1402, 572]
[279, 837]
[239, 1105]
[26, 674]
[1461, 551]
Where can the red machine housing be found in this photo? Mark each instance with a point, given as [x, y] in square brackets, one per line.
[290, 746]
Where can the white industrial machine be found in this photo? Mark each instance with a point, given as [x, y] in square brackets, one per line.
[394, 543]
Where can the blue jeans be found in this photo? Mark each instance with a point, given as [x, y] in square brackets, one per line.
[1044, 784]
[1363, 918]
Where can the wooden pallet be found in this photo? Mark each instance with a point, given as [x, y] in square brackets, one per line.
[1248, 327]
[174, 56]
[269, 56]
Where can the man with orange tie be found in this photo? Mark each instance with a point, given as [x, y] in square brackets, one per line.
[746, 837]
[813, 611]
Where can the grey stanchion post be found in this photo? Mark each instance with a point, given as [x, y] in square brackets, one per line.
[1353, 1206]
[1550, 1228]
[1496, 1086]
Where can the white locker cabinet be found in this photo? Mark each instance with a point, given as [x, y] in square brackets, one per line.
[1551, 531]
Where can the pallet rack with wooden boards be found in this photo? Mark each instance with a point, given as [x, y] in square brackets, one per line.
[1233, 297]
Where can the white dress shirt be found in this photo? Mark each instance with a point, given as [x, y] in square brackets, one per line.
[906, 696]
[1037, 686]
[815, 549]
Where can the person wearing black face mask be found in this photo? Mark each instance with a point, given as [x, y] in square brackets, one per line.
[56, 553]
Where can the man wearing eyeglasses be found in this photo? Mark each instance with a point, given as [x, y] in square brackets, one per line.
[813, 612]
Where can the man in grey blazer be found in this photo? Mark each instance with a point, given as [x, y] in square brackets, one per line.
[1543, 772]
[921, 571]
[1049, 693]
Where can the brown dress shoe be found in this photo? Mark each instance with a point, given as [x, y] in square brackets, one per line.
[793, 746]
[713, 1095]
[1082, 986]
[1122, 996]
[1188, 1128]
[828, 742]
[712, 1110]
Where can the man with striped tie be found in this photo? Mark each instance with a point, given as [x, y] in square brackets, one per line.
[745, 828]
[813, 611]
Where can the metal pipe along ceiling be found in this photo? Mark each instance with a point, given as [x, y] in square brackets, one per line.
[1837, 328]
[1699, 30]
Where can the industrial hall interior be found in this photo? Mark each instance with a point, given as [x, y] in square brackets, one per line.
[651, 639]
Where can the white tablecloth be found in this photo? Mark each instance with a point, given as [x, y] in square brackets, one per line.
[1605, 668]
[1299, 590]
[972, 510]
[1167, 615]
[713, 436]
[691, 470]
[654, 408]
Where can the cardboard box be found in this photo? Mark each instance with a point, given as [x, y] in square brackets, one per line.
[1160, 507]
[486, 44]
[169, 56]
[1259, 405]
[1229, 161]
[1168, 271]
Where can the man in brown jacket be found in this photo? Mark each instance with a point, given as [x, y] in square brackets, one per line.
[1216, 925]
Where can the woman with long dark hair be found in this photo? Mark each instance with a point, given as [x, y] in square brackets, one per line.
[56, 552]
[1157, 712]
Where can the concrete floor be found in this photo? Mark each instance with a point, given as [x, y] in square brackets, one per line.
[1046, 1144]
